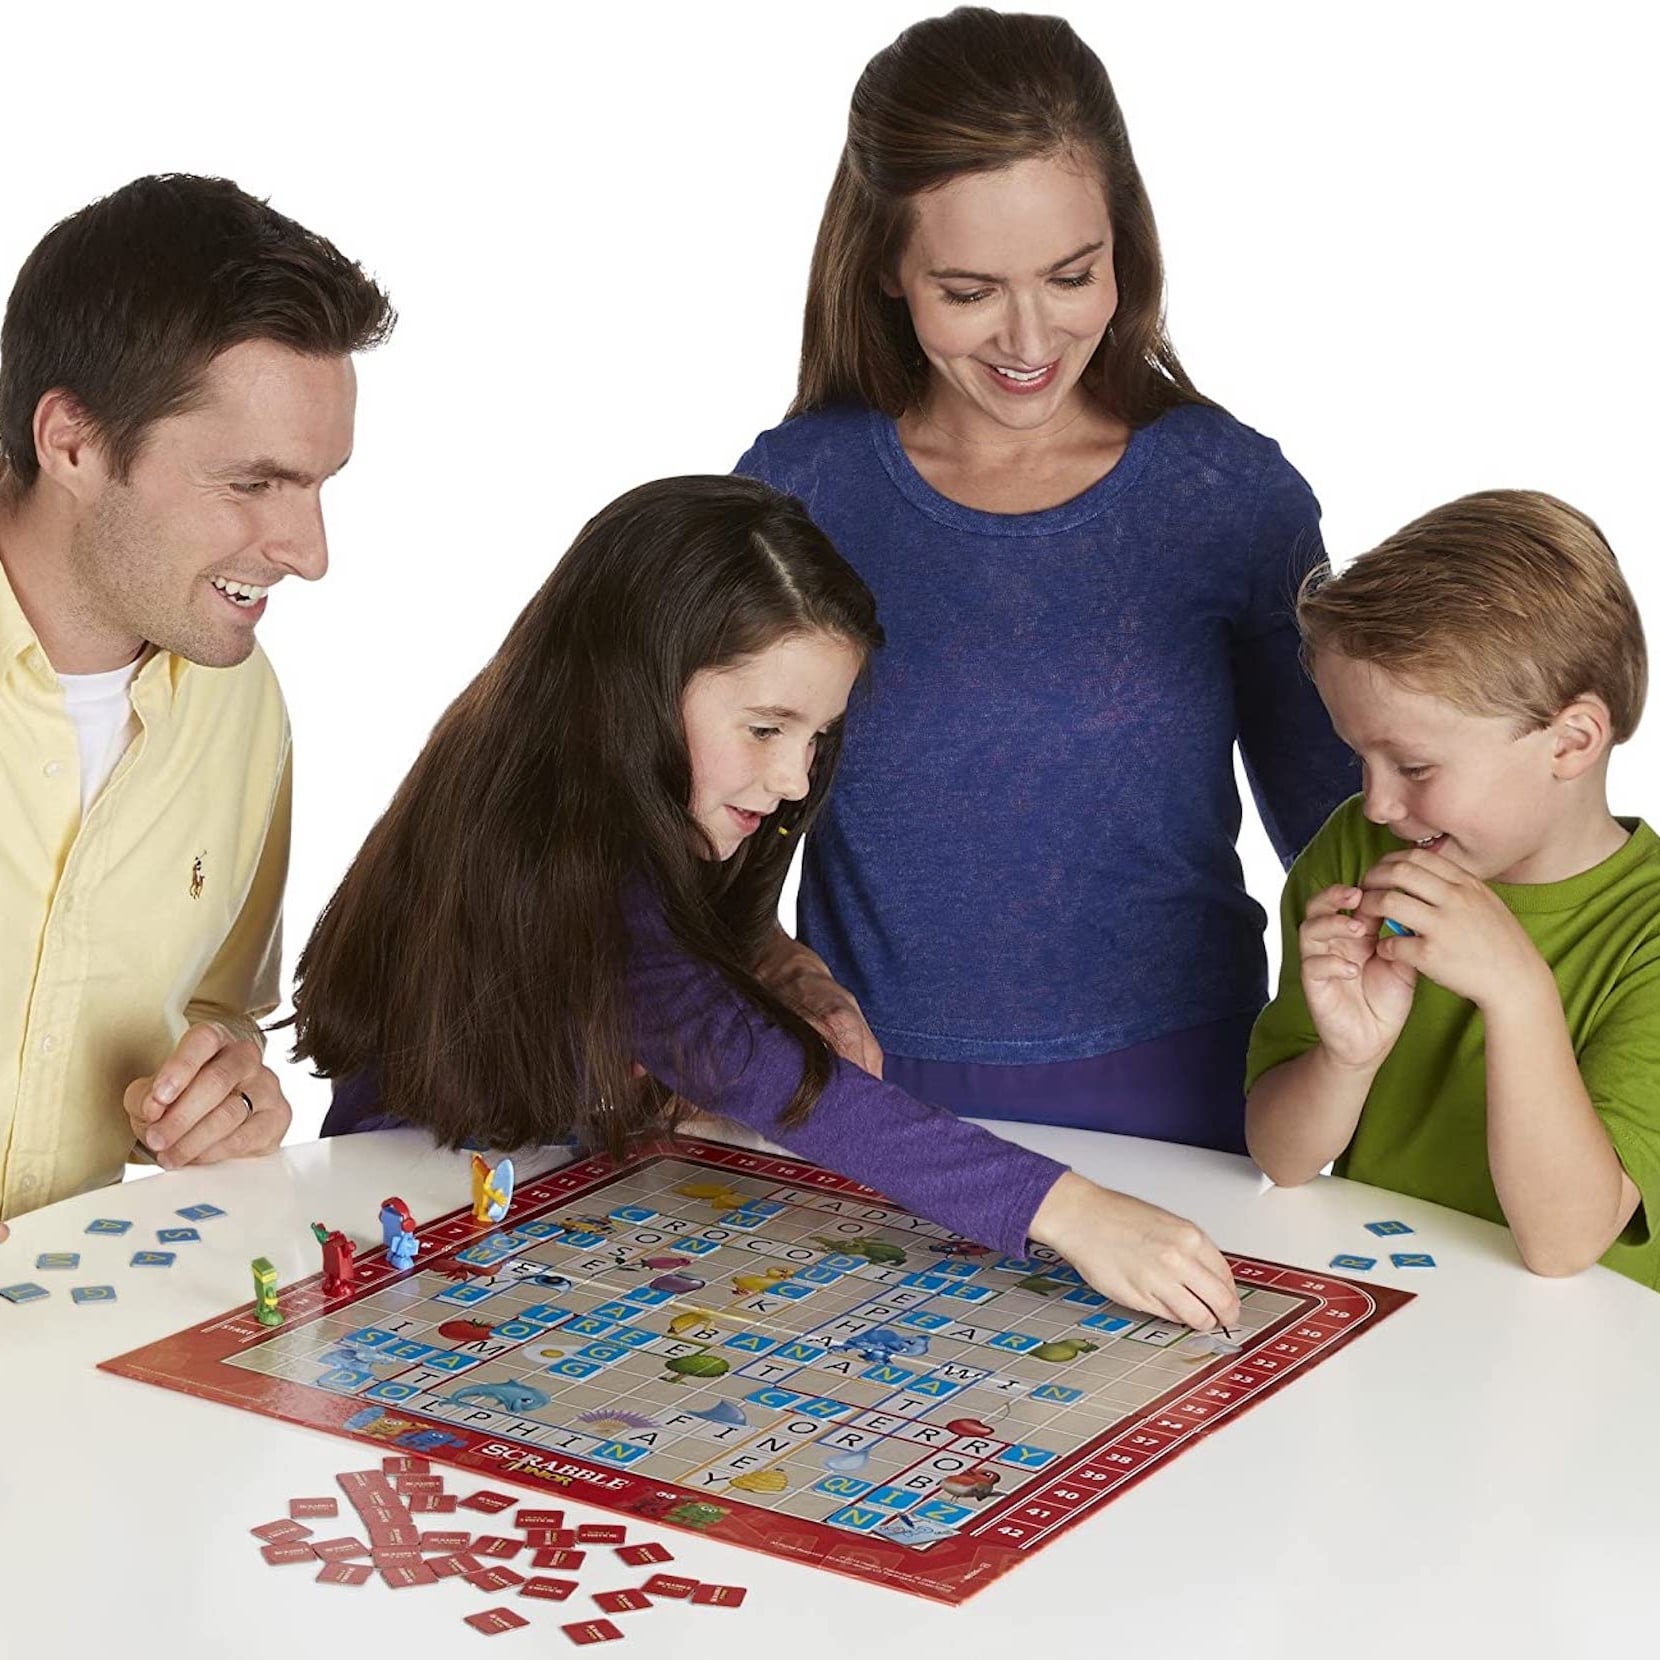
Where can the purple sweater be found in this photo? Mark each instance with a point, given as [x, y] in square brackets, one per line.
[701, 1038]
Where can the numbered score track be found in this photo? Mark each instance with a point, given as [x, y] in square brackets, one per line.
[872, 1395]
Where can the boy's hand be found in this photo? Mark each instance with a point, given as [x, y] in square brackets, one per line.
[213, 1098]
[1466, 937]
[1359, 998]
[1137, 1254]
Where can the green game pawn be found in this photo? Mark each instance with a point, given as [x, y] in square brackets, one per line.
[265, 1293]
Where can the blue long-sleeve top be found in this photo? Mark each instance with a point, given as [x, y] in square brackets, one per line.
[1028, 856]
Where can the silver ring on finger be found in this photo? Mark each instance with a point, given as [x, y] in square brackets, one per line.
[248, 1102]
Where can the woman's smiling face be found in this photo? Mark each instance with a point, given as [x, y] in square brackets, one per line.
[1009, 280]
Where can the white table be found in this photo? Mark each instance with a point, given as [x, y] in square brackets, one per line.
[1478, 1474]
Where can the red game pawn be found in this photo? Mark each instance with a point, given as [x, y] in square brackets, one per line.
[338, 1254]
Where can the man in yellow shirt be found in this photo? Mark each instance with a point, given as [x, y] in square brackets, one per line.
[176, 385]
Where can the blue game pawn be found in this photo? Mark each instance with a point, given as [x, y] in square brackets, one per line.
[397, 1229]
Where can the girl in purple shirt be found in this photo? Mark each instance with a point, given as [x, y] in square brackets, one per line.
[557, 928]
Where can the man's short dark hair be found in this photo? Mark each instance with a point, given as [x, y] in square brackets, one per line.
[126, 303]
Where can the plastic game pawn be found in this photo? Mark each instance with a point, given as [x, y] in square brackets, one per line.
[492, 1189]
[1394, 930]
[397, 1229]
[338, 1255]
[265, 1293]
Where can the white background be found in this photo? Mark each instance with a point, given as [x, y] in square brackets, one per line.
[1410, 243]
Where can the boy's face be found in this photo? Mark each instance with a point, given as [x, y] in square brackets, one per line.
[1464, 785]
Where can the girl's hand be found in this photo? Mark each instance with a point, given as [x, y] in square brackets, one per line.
[1358, 998]
[1137, 1254]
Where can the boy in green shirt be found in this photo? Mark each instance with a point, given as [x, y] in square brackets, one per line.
[1502, 1054]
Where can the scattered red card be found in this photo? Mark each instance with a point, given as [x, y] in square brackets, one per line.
[495, 1579]
[493, 1621]
[419, 1484]
[447, 1567]
[275, 1533]
[550, 1538]
[559, 1559]
[488, 1502]
[394, 1556]
[444, 1541]
[496, 1544]
[592, 1631]
[539, 1518]
[314, 1507]
[638, 1556]
[720, 1596]
[288, 1550]
[550, 1590]
[432, 1501]
[668, 1585]
[595, 1533]
[337, 1550]
[621, 1602]
[406, 1466]
[343, 1573]
[406, 1574]
[392, 1538]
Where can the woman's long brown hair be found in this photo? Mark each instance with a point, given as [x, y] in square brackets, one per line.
[974, 92]
[476, 953]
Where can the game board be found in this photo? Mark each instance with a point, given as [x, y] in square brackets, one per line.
[772, 1354]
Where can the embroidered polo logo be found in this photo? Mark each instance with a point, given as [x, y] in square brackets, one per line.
[198, 875]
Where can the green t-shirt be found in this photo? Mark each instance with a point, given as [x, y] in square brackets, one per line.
[1424, 1127]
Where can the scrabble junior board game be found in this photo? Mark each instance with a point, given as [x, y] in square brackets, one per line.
[766, 1352]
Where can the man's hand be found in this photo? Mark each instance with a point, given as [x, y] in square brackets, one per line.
[213, 1098]
[1467, 939]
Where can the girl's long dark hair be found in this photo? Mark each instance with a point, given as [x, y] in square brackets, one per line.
[476, 952]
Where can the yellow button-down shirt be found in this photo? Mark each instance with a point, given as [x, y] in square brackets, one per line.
[162, 908]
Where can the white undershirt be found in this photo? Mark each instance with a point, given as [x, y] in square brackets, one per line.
[105, 723]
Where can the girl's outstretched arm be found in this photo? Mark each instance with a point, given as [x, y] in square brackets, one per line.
[699, 1037]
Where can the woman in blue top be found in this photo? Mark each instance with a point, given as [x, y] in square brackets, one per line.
[1027, 882]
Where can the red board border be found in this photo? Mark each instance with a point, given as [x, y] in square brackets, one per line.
[1334, 1312]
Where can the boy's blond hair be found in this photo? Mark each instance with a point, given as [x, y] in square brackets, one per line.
[1507, 602]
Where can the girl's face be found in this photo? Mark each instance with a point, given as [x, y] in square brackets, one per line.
[1009, 281]
[753, 728]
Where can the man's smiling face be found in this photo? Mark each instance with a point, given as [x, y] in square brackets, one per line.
[221, 504]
